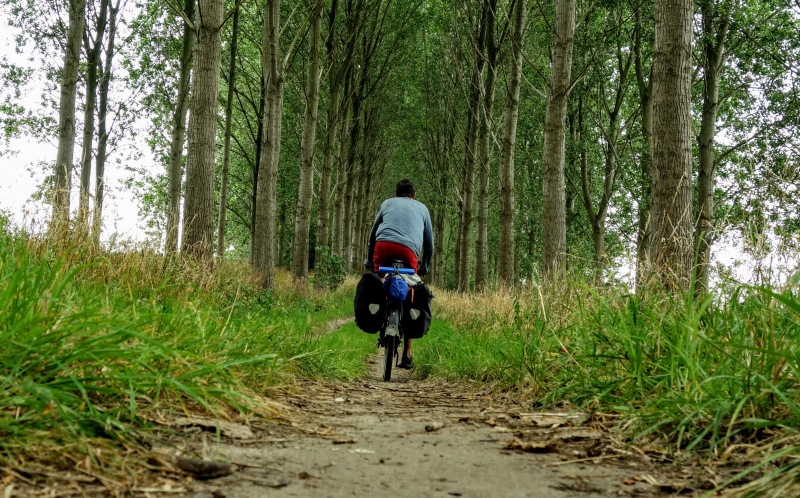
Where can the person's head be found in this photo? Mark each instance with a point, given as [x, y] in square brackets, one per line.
[405, 189]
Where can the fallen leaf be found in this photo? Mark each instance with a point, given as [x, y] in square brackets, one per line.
[434, 426]
[363, 451]
[197, 468]
[533, 447]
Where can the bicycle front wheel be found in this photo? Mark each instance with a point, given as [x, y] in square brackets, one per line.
[389, 343]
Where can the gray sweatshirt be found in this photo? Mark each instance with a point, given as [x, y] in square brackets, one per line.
[405, 221]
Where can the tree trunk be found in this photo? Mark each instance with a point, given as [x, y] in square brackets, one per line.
[175, 172]
[226, 150]
[326, 175]
[610, 133]
[302, 226]
[554, 222]
[713, 52]
[672, 145]
[262, 105]
[470, 153]
[102, 124]
[644, 85]
[265, 229]
[484, 153]
[198, 215]
[350, 187]
[439, 261]
[93, 50]
[341, 184]
[505, 257]
[66, 117]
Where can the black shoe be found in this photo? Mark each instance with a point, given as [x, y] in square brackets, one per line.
[407, 363]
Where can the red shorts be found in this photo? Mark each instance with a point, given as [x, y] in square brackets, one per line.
[386, 251]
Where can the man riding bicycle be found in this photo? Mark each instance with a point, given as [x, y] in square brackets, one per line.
[402, 230]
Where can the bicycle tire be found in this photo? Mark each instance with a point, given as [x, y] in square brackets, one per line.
[388, 357]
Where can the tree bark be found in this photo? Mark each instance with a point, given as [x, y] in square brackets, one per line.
[262, 105]
[198, 216]
[714, 38]
[265, 228]
[484, 153]
[93, 49]
[644, 84]
[178, 134]
[102, 125]
[554, 224]
[302, 226]
[672, 145]
[505, 257]
[464, 258]
[226, 149]
[333, 111]
[66, 117]
[341, 184]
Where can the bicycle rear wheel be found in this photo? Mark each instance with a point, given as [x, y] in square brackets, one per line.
[389, 345]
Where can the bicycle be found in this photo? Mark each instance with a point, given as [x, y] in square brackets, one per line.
[392, 332]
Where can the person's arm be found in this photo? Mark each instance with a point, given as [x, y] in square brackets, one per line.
[373, 234]
[427, 246]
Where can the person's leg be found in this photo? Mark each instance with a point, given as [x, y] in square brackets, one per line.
[407, 348]
[406, 361]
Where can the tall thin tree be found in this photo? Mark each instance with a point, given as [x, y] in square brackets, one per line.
[672, 145]
[264, 260]
[226, 148]
[178, 133]
[102, 122]
[715, 21]
[505, 257]
[198, 215]
[66, 116]
[554, 224]
[484, 150]
[93, 46]
[302, 225]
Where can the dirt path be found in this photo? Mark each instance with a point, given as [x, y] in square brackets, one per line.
[419, 438]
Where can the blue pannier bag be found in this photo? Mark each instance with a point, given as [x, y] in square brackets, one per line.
[396, 288]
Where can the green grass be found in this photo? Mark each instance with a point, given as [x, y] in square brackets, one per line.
[93, 341]
[693, 378]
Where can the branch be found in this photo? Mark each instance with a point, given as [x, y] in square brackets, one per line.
[180, 12]
[231, 12]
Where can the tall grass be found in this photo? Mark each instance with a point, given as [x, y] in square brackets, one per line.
[93, 341]
[719, 377]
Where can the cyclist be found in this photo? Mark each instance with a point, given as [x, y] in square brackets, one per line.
[402, 230]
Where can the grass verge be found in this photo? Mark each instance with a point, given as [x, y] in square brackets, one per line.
[95, 341]
[716, 378]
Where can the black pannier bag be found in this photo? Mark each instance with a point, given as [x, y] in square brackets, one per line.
[417, 311]
[370, 303]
